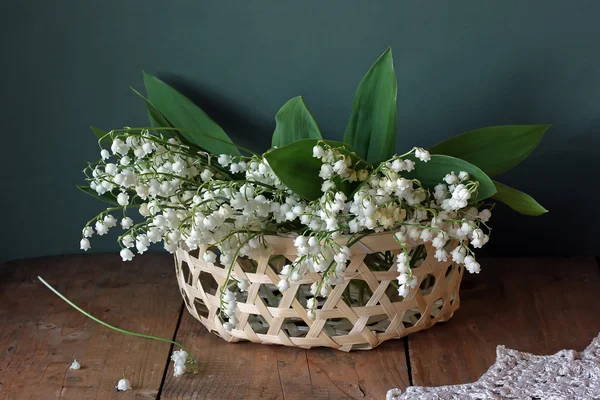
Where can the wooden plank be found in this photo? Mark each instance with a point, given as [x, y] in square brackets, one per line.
[535, 305]
[226, 370]
[253, 371]
[41, 334]
[360, 374]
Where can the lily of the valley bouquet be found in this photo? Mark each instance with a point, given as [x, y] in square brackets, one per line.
[181, 183]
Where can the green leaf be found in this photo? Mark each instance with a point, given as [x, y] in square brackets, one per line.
[294, 122]
[297, 169]
[101, 135]
[157, 120]
[110, 198]
[372, 126]
[195, 125]
[494, 149]
[432, 173]
[107, 197]
[518, 201]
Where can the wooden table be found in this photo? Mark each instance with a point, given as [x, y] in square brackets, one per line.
[534, 305]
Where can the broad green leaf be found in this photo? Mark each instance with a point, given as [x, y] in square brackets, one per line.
[432, 173]
[106, 197]
[196, 127]
[518, 201]
[372, 126]
[494, 149]
[157, 120]
[294, 122]
[297, 169]
[101, 135]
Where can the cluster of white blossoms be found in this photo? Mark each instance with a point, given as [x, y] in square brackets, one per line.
[229, 299]
[388, 200]
[189, 199]
[180, 359]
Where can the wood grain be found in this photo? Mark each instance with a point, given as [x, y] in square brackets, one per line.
[40, 335]
[254, 371]
[535, 305]
[359, 374]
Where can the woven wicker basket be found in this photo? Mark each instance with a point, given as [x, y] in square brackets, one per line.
[359, 314]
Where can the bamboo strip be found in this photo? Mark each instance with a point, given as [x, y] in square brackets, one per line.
[337, 324]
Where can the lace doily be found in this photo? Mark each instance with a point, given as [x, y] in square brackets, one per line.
[515, 375]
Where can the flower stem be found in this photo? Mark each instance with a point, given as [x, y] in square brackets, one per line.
[114, 328]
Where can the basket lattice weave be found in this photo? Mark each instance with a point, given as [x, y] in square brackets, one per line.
[269, 317]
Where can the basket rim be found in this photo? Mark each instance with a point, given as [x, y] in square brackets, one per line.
[372, 243]
[341, 237]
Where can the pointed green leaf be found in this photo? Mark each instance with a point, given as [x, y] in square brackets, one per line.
[196, 126]
[372, 126]
[109, 197]
[101, 135]
[297, 169]
[106, 197]
[494, 149]
[432, 173]
[518, 201]
[294, 122]
[157, 120]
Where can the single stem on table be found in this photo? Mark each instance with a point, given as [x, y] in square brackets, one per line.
[114, 328]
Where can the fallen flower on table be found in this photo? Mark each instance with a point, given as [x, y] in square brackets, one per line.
[179, 357]
[123, 385]
[75, 365]
[393, 394]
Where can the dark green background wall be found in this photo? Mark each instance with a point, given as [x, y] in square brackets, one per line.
[461, 65]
